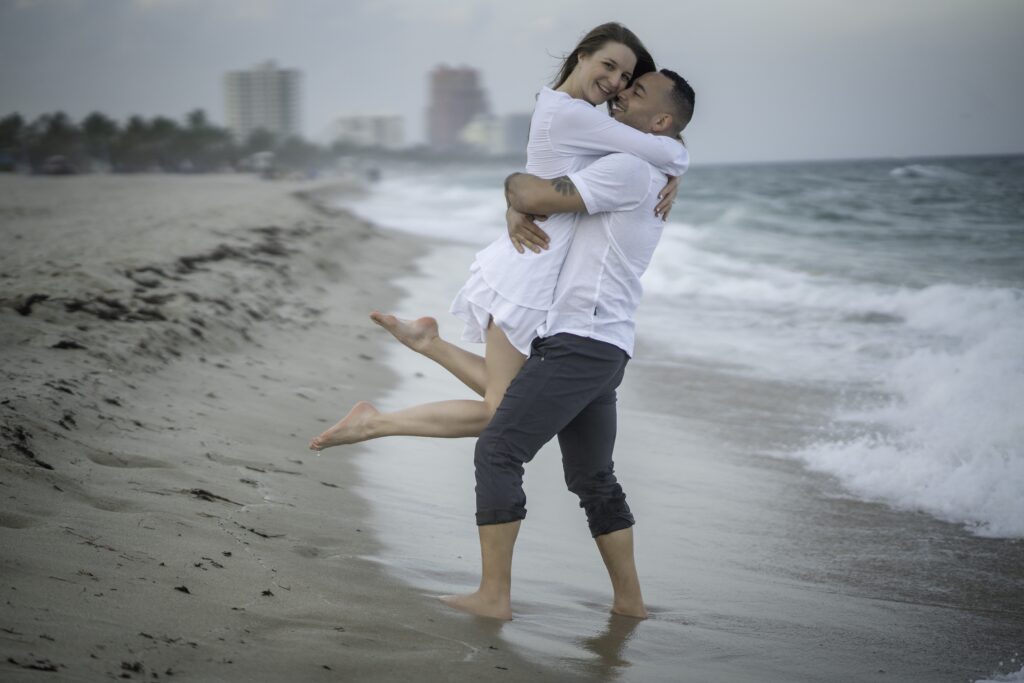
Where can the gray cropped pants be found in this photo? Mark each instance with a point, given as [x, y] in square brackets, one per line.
[567, 387]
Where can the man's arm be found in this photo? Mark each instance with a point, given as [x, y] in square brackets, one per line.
[532, 195]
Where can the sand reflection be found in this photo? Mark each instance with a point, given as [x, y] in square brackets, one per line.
[610, 646]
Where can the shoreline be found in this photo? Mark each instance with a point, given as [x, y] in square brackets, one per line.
[752, 562]
[157, 521]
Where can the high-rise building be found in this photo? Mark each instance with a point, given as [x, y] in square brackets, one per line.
[456, 98]
[263, 97]
[384, 131]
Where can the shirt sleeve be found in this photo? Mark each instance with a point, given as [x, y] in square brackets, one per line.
[617, 182]
[581, 129]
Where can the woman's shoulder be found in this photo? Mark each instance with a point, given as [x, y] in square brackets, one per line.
[553, 99]
[570, 109]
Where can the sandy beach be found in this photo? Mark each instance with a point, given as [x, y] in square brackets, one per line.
[169, 345]
[166, 341]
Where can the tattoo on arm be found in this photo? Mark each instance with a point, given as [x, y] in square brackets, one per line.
[564, 186]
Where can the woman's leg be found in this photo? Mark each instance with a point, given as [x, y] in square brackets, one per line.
[422, 337]
[443, 419]
[503, 362]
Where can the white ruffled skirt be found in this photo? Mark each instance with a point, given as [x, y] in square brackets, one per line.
[477, 303]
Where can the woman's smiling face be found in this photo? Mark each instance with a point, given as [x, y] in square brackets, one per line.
[606, 72]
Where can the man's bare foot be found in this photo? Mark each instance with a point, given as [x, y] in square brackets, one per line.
[416, 334]
[352, 428]
[481, 606]
[636, 610]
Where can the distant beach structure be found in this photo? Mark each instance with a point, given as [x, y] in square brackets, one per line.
[263, 98]
[456, 98]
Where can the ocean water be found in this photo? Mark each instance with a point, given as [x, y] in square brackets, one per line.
[897, 286]
[820, 434]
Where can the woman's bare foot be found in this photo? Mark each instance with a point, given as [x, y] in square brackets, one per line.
[481, 606]
[352, 428]
[418, 334]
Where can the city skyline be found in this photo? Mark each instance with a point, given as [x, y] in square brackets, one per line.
[793, 80]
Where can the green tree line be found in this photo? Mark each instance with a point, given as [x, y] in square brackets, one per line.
[138, 144]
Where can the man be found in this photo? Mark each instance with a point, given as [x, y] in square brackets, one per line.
[567, 386]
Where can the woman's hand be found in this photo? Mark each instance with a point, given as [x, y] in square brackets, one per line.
[667, 197]
[524, 232]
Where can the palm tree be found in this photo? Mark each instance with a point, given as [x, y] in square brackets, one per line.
[51, 135]
[11, 131]
[99, 132]
[162, 143]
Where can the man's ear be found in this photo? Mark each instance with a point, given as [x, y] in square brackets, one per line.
[661, 123]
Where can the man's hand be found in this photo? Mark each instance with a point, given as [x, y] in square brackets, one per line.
[524, 232]
[667, 197]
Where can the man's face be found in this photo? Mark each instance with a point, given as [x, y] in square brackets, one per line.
[638, 105]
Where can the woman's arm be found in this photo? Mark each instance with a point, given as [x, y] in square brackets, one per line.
[667, 197]
[524, 232]
[581, 129]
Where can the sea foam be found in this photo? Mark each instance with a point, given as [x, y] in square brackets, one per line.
[944, 432]
[950, 439]
[926, 171]
[1015, 677]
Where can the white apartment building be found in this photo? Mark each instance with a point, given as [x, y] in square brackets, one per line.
[264, 97]
[484, 134]
[497, 135]
[384, 131]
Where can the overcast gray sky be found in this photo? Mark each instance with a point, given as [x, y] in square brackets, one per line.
[775, 79]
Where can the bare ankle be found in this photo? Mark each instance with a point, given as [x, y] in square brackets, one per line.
[632, 609]
[497, 596]
[629, 602]
[434, 349]
[480, 604]
[373, 427]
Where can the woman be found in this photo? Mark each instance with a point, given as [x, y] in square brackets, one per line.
[508, 293]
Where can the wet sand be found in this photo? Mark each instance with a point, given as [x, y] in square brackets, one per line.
[169, 344]
[754, 568]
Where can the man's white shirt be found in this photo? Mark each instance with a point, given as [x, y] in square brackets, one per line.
[599, 288]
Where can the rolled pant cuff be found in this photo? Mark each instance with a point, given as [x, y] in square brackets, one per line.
[485, 517]
[610, 525]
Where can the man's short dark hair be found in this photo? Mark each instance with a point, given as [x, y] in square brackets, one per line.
[681, 99]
